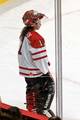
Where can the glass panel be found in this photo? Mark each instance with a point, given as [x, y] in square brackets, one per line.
[71, 59]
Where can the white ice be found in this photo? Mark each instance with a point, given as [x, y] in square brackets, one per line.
[12, 85]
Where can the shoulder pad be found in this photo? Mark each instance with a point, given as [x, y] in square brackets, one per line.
[36, 40]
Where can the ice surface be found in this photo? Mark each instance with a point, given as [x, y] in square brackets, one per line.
[12, 86]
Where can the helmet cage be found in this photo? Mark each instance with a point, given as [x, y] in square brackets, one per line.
[31, 17]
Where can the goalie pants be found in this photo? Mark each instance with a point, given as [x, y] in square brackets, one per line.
[39, 93]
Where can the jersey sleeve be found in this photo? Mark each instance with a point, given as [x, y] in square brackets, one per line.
[38, 52]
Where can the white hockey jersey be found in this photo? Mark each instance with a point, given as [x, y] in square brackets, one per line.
[32, 56]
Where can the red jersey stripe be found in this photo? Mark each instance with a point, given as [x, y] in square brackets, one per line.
[40, 58]
[30, 74]
[24, 68]
[39, 52]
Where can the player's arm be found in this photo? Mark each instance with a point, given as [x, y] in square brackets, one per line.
[38, 52]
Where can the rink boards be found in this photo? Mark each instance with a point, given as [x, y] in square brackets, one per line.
[29, 115]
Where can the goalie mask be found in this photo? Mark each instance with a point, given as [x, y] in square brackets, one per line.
[31, 17]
